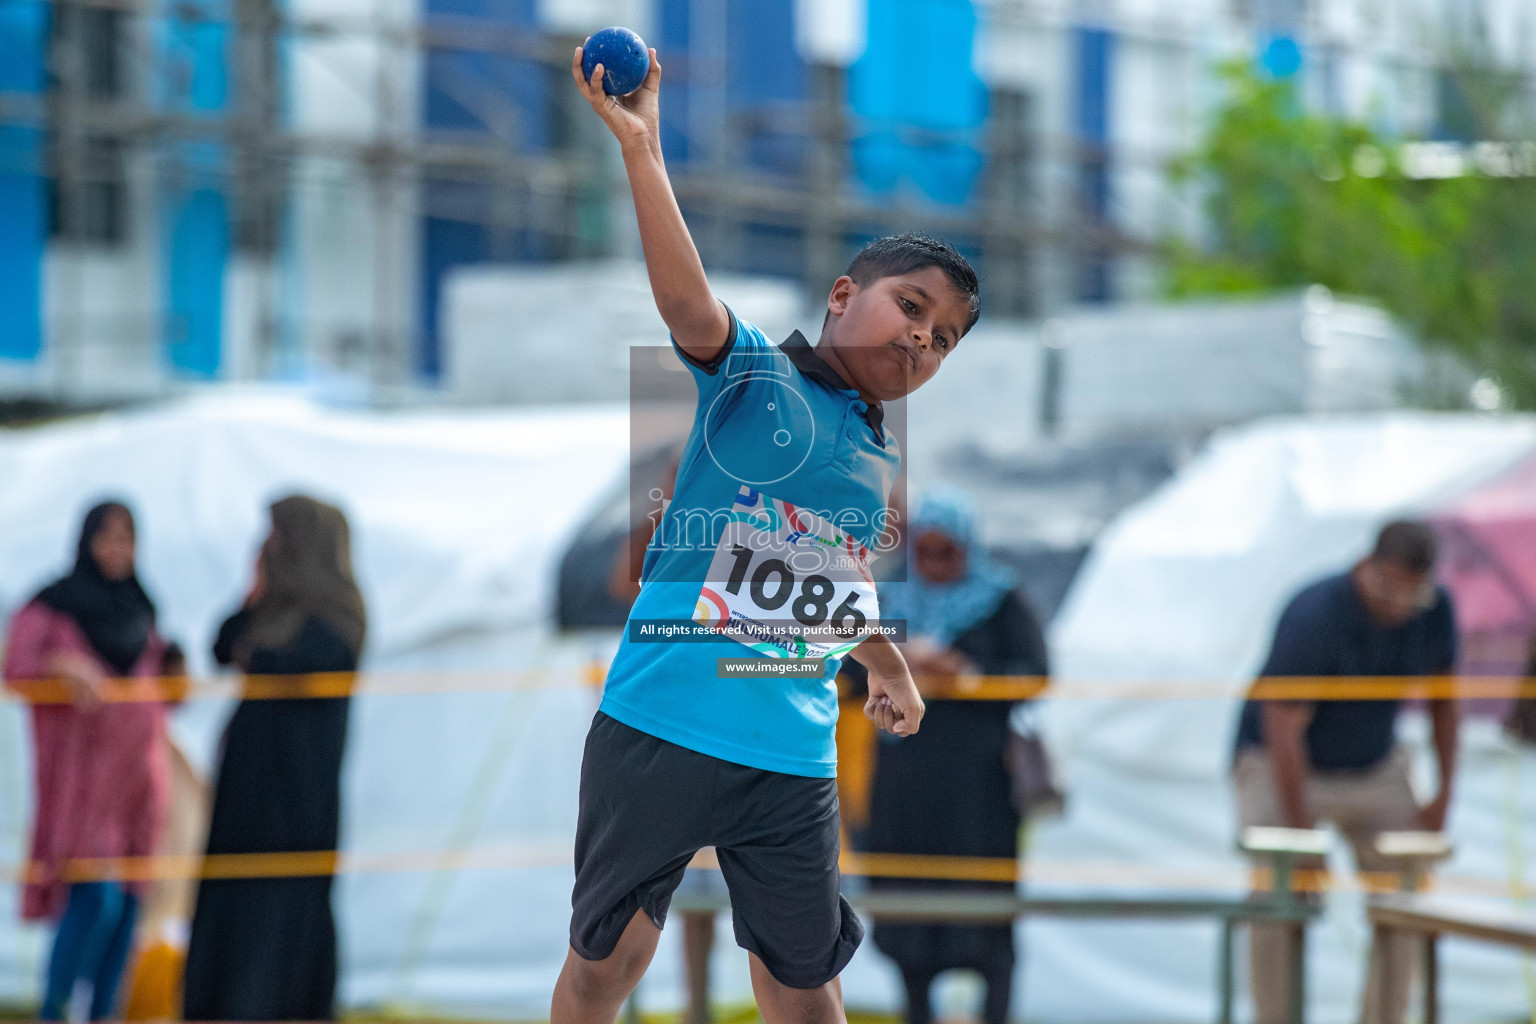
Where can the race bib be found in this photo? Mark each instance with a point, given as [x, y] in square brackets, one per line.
[787, 583]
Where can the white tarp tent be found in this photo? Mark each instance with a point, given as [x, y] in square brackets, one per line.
[459, 519]
[1187, 586]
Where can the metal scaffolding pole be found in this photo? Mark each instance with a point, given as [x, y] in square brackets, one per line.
[564, 196]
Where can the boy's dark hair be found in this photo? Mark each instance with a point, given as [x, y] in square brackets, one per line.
[1408, 543]
[903, 254]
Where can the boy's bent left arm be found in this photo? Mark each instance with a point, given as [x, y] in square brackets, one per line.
[894, 703]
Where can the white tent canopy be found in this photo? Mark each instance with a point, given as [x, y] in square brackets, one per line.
[1187, 586]
[458, 522]
[459, 519]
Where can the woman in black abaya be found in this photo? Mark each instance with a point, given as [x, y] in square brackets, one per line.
[265, 948]
[947, 791]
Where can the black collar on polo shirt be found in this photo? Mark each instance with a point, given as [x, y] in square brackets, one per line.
[813, 366]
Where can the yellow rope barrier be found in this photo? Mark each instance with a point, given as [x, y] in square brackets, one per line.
[1007, 688]
[1101, 876]
[973, 869]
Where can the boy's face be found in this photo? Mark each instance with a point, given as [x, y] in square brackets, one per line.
[892, 334]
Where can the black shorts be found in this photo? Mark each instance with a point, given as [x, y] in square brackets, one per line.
[647, 806]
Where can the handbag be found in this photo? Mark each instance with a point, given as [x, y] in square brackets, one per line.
[1031, 776]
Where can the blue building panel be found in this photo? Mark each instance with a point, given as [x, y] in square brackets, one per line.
[487, 93]
[475, 93]
[446, 244]
[671, 39]
[920, 101]
[23, 189]
[195, 235]
[764, 73]
[920, 105]
[1095, 53]
[196, 250]
[23, 234]
[200, 49]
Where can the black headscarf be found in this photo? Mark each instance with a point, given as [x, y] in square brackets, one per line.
[116, 616]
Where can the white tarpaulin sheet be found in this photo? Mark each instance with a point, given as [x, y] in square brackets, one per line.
[1187, 586]
[459, 520]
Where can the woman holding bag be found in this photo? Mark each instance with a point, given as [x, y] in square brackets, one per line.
[947, 791]
[100, 769]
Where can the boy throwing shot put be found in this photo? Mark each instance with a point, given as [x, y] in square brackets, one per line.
[781, 489]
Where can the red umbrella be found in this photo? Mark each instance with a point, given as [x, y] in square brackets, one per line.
[1488, 561]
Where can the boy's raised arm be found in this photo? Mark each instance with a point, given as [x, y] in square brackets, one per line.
[695, 317]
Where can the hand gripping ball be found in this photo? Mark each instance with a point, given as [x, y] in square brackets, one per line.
[624, 58]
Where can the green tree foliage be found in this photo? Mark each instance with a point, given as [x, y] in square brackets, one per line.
[1294, 198]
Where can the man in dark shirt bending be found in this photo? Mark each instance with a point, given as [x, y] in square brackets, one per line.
[1302, 762]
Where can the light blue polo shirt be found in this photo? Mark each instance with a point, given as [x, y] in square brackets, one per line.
[778, 419]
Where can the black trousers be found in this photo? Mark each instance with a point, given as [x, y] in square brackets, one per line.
[996, 972]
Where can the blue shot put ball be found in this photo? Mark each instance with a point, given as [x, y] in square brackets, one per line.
[624, 58]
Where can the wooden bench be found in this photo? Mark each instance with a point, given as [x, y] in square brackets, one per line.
[1433, 916]
[1411, 854]
[1278, 904]
[1286, 849]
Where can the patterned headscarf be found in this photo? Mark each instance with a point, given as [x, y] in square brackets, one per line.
[943, 611]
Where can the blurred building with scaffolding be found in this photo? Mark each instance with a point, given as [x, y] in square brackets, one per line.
[198, 190]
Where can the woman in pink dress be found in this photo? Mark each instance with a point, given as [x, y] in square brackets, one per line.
[101, 773]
